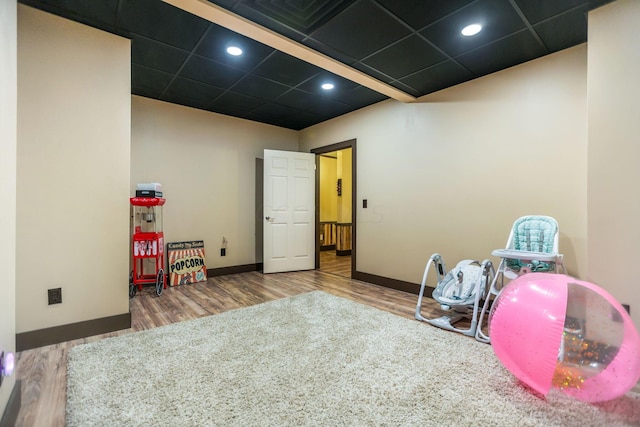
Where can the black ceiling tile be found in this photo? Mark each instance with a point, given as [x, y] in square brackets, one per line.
[360, 30]
[89, 12]
[314, 84]
[303, 100]
[227, 4]
[144, 91]
[329, 51]
[361, 97]
[237, 103]
[419, 13]
[405, 57]
[305, 121]
[497, 17]
[255, 12]
[191, 93]
[298, 122]
[302, 16]
[568, 29]
[440, 76]
[229, 111]
[372, 72]
[296, 99]
[156, 55]
[405, 88]
[206, 71]
[285, 69]
[510, 51]
[272, 111]
[301, 122]
[537, 11]
[280, 115]
[329, 109]
[214, 46]
[260, 88]
[594, 4]
[163, 22]
[153, 80]
[270, 24]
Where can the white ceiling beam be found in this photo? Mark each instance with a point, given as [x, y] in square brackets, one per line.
[220, 16]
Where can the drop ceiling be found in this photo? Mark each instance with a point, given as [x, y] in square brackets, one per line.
[370, 50]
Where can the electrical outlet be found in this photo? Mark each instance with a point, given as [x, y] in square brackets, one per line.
[223, 252]
[55, 296]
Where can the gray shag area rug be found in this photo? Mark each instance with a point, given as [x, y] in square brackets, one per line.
[311, 360]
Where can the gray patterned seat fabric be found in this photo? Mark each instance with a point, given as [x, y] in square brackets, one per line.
[458, 286]
[533, 234]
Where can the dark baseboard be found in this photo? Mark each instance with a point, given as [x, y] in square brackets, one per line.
[343, 253]
[223, 271]
[387, 282]
[73, 331]
[328, 248]
[10, 415]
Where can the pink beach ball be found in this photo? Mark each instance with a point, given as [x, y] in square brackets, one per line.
[552, 330]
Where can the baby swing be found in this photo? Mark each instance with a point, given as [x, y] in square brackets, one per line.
[460, 290]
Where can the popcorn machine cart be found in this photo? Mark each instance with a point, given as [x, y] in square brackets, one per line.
[147, 245]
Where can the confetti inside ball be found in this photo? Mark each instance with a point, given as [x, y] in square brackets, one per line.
[552, 330]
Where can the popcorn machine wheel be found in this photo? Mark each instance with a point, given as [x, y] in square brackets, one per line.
[147, 245]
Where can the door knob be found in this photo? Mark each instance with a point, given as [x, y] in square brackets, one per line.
[268, 218]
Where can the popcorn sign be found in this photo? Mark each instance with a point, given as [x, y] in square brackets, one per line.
[186, 262]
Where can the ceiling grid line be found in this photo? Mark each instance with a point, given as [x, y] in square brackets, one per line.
[528, 24]
[175, 76]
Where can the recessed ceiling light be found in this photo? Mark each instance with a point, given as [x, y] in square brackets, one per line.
[327, 86]
[234, 50]
[471, 30]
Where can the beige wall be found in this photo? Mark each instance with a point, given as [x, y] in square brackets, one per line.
[206, 164]
[614, 151]
[328, 199]
[8, 105]
[451, 173]
[72, 171]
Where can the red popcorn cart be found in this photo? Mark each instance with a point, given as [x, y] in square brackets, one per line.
[147, 245]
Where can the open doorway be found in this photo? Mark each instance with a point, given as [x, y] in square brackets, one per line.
[336, 208]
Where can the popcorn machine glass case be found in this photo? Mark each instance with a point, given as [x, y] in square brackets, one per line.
[147, 245]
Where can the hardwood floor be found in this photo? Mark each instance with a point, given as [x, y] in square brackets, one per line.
[334, 264]
[42, 371]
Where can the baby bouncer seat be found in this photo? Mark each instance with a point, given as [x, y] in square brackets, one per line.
[532, 246]
[460, 290]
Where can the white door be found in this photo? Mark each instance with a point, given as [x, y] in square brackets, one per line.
[289, 210]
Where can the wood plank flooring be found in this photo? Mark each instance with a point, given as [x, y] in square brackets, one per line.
[334, 264]
[42, 371]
